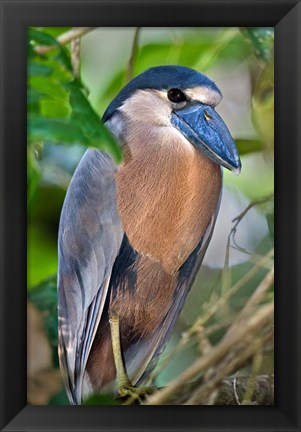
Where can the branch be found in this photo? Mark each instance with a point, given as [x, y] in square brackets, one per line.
[197, 330]
[75, 56]
[254, 300]
[231, 291]
[206, 393]
[130, 69]
[239, 218]
[65, 38]
[231, 340]
[232, 391]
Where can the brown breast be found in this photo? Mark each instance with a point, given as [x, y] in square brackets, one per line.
[166, 197]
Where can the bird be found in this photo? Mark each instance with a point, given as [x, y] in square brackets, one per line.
[132, 236]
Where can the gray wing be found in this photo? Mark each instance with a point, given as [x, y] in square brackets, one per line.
[90, 235]
[141, 365]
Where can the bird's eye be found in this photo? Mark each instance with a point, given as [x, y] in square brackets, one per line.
[176, 95]
[207, 116]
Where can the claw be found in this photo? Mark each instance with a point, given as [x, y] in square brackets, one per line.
[131, 395]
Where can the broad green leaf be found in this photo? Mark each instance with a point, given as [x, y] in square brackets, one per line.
[34, 98]
[58, 73]
[41, 38]
[54, 109]
[83, 114]
[49, 87]
[58, 109]
[58, 131]
[60, 52]
[35, 68]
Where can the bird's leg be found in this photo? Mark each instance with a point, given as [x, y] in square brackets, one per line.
[127, 391]
[122, 377]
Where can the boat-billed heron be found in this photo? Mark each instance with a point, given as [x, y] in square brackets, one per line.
[132, 237]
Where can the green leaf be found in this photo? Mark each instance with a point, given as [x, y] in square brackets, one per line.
[33, 100]
[58, 109]
[50, 87]
[41, 38]
[101, 399]
[35, 68]
[246, 146]
[58, 131]
[54, 109]
[83, 114]
[61, 54]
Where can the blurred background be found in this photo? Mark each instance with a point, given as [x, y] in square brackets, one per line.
[240, 61]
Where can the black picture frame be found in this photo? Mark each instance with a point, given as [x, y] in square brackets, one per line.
[16, 16]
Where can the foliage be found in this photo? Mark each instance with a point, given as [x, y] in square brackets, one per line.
[63, 120]
[57, 106]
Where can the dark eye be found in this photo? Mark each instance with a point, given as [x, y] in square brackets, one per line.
[176, 95]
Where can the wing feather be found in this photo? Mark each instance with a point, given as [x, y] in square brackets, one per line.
[90, 236]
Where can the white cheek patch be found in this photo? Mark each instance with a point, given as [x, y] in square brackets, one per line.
[147, 107]
[204, 95]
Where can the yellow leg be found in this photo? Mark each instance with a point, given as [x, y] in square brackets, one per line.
[121, 375]
[128, 393]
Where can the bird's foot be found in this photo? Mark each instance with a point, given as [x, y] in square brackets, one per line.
[131, 395]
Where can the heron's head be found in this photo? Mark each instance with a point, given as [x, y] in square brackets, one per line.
[182, 101]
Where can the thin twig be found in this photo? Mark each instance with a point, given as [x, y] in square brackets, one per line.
[239, 284]
[187, 342]
[256, 297]
[238, 219]
[235, 390]
[251, 385]
[260, 291]
[75, 56]
[131, 64]
[65, 38]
